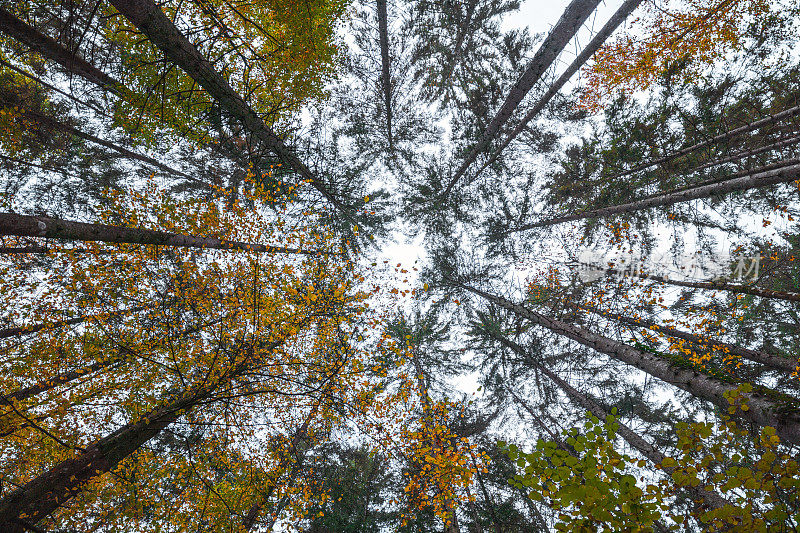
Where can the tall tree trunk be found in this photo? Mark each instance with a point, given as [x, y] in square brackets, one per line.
[162, 32]
[711, 499]
[773, 361]
[52, 123]
[658, 525]
[44, 494]
[753, 180]
[51, 49]
[487, 498]
[762, 409]
[565, 29]
[50, 384]
[712, 141]
[30, 226]
[458, 47]
[386, 80]
[594, 45]
[728, 159]
[55, 89]
[783, 143]
[719, 179]
[34, 328]
[713, 286]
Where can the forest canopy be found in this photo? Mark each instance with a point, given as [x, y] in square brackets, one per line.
[344, 266]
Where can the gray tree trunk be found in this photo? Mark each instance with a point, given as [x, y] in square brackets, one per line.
[594, 45]
[52, 49]
[712, 141]
[162, 32]
[763, 410]
[712, 499]
[773, 361]
[565, 29]
[716, 286]
[386, 80]
[753, 180]
[30, 226]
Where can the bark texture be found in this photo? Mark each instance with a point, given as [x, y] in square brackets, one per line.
[31, 226]
[753, 180]
[757, 356]
[162, 32]
[716, 286]
[565, 29]
[53, 50]
[386, 81]
[763, 410]
[712, 141]
[34, 328]
[711, 499]
[594, 45]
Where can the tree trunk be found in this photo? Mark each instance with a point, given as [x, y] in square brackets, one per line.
[34, 328]
[751, 181]
[51, 49]
[565, 29]
[783, 143]
[50, 384]
[383, 32]
[452, 526]
[301, 434]
[29, 226]
[44, 494]
[762, 409]
[55, 89]
[594, 45]
[162, 32]
[712, 141]
[714, 286]
[458, 47]
[50, 122]
[711, 499]
[773, 361]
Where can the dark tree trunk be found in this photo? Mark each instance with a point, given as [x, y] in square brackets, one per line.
[594, 45]
[712, 499]
[752, 180]
[712, 141]
[44, 494]
[34, 328]
[565, 29]
[52, 123]
[716, 286]
[773, 361]
[162, 32]
[386, 80]
[55, 89]
[783, 143]
[51, 49]
[301, 434]
[762, 411]
[29, 226]
[458, 47]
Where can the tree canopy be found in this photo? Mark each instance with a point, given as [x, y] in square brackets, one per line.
[399, 266]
